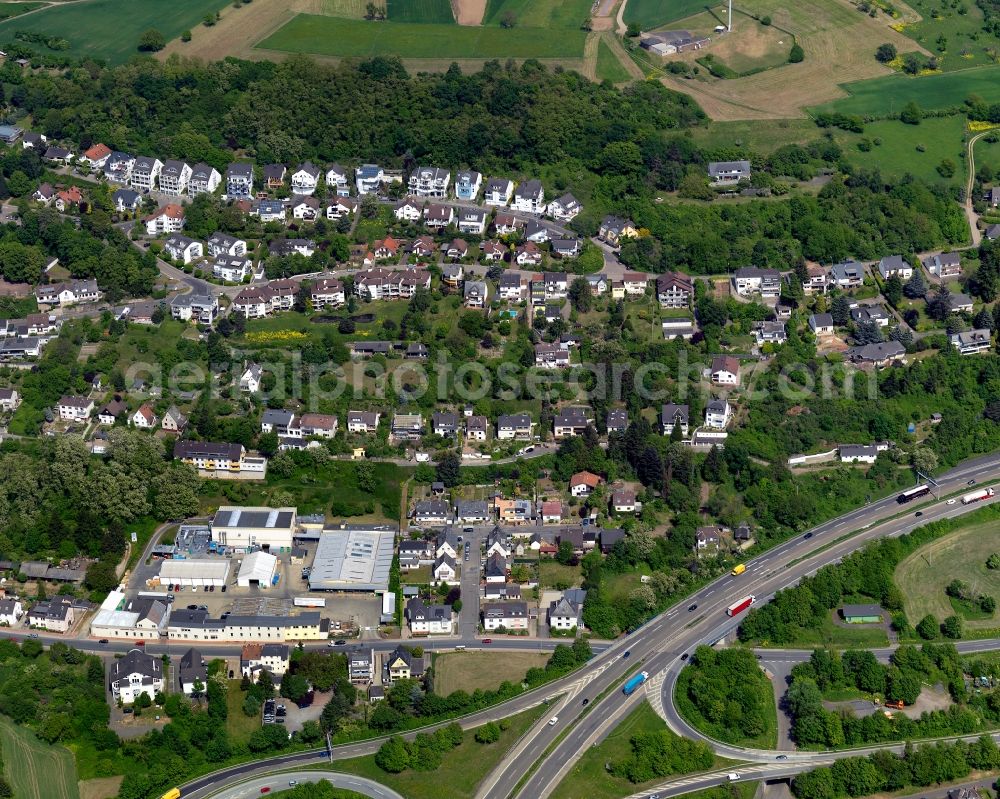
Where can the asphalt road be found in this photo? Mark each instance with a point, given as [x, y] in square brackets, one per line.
[658, 645]
[281, 782]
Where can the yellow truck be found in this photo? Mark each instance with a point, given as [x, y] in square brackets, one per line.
[738, 569]
[173, 793]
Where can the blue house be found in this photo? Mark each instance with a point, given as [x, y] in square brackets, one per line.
[467, 185]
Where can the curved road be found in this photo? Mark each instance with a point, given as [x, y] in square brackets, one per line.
[279, 782]
[658, 646]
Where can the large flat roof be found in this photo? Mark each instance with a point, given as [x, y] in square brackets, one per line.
[353, 560]
[194, 569]
[254, 518]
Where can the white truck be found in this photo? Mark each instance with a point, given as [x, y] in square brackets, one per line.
[976, 496]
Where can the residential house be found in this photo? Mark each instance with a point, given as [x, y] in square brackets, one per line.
[126, 201]
[881, 354]
[285, 247]
[407, 426]
[423, 247]
[992, 195]
[472, 221]
[58, 155]
[617, 421]
[623, 501]
[305, 178]
[750, 280]
[674, 290]
[232, 269]
[183, 249]
[515, 512]
[33, 141]
[341, 207]
[280, 421]
[511, 287]
[11, 611]
[452, 276]
[173, 420]
[135, 674]
[477, 428]
[144, 418]
[10, 400]
[566, 248]
[251, 378]
[865, 314]
[635, 283]
[529, 197]
[219, 459]
[193, 673]
[145, 173]
[457, 250]
[847, 275]
[564, 209]
[708, 537]
[438, 216]
[959, 303]
[445, 569]
[429, 181]
[44, 193]
[118, 168]
[582, 484]
[505, 224]
[536, 231]
[402, 664]
[971, 342]
[320, 425]
[384, 284]
[566, 613]
[821, 324]
[816, 280]
[204, 180]
[614, 229]
[895, 266]
[268, 210]
[472, 511]
[498, 191]
[515, 427]
[201, 308]
[305, 208]
[770, 333]
[495, 570]
[363, 421]
[414, 554]
[725, 370]
[71, 293]
[408, 211]
[718, 414]
[96, 156]
[369, 178]
[75, 409]
[556, 285]
[467, 184]
[327, 293]
[336, 180]
[528, 254]
[239, 181]
[274, 176]
[57, 615]
[505, 616]
[167, 219]
[220, 243]
[444, 424]
[361, 667]
[727, 173]
[672, 415]
[944, 265]
[498, 543]
[272, 658]
[551, 356]
[425, 619]
[571, 421]
[855, 453]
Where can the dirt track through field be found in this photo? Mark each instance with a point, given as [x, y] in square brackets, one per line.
[237, 32]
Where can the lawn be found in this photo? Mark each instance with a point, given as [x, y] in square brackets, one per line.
[334, 36]
[648, 14]
[857, 636]
[8, 10]
[761, 136]
[485, 671]
[913, 149]
[239, 725]
[888, 95]
[550, 14]
[552, 574]
[34, 769]
[609, 67]
[962, 555]
[965, 42]
[462, 770]
[589, 779]
[436, 11]
[86, 25]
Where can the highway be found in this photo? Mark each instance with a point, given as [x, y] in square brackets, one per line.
[281, 782]
[658, 646]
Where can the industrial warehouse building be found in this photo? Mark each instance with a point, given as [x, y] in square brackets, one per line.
[257, 570]
[353, 558]
[243, 528]
[194, 572]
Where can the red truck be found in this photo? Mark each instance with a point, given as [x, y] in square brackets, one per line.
[741, 605]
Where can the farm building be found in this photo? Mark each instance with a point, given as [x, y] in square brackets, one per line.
[194, 572]
[862, 614]
[671, 42]
[257, 570]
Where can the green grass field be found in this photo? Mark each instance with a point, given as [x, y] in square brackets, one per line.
[888, 95]
[461, 771]
[760, 135]
[550, 14]
[965, 43]
[609, 67]
[34, 769]
[435, 11]
[648, 14]
[86, 25]
[8, 10]
[898, 154]
[333, 36]
[922, 577]
[473, 671]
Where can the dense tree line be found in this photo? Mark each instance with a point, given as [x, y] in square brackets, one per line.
[661, 753]
[919, 766]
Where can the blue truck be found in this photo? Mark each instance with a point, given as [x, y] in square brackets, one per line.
[635, 682]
